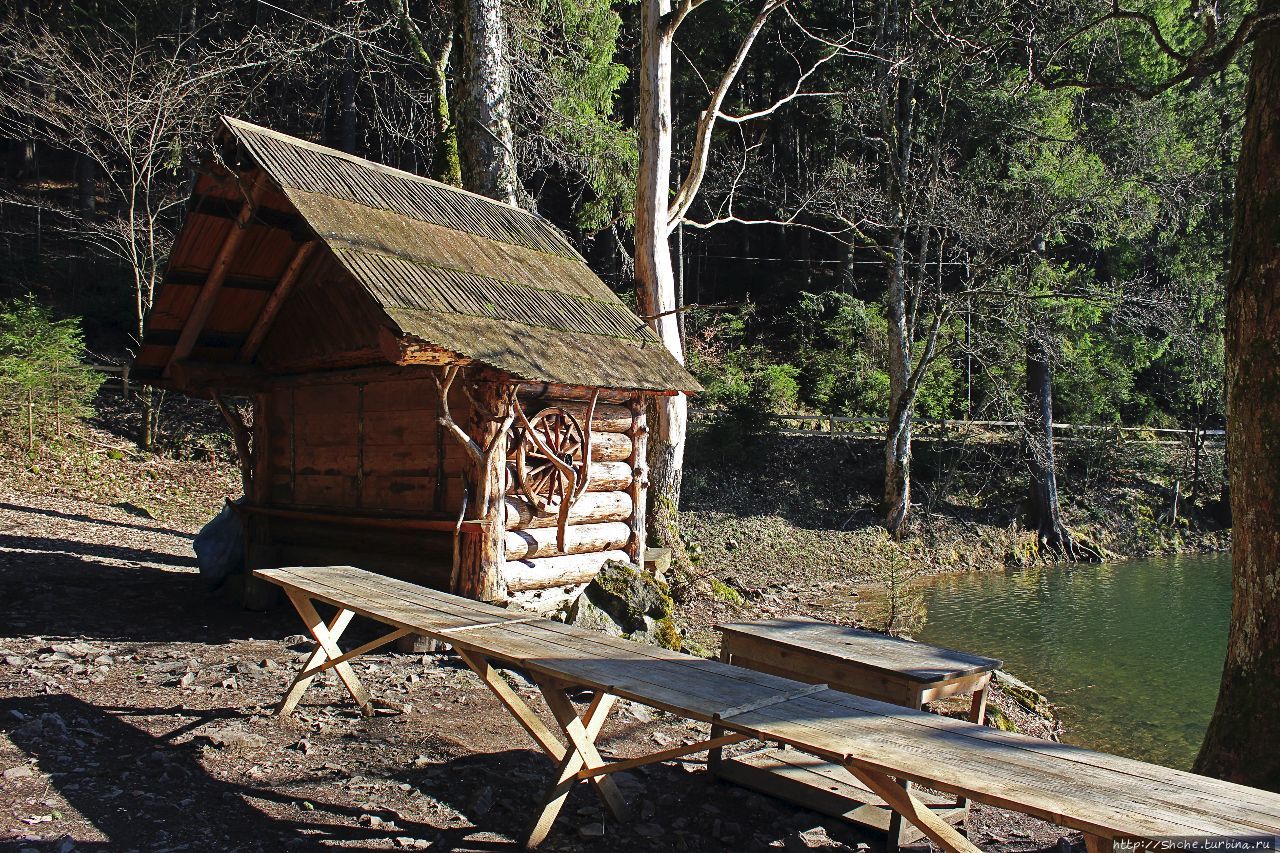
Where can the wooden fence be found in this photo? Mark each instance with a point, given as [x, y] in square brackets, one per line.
[869, 429]
[117, 377]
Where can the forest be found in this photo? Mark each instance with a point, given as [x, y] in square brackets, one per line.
[879, 211]
[901, 211]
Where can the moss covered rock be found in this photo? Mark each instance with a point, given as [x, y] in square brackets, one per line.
[626, 602]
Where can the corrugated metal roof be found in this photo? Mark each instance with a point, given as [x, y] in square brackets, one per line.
[466, 273]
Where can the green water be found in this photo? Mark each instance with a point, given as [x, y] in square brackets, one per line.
[1130, 652]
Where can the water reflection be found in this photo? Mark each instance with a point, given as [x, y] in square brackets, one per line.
[1131, 652]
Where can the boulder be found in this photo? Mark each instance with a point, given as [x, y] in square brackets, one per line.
[626, 602]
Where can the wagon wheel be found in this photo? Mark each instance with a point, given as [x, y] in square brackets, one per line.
[542, 482]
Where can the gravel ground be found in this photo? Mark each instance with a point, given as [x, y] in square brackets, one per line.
[135, 714]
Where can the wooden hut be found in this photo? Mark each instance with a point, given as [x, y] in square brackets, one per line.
[442, 389]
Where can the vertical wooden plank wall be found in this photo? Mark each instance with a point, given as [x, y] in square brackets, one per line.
[364, 447]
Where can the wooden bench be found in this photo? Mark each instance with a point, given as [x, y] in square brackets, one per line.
[878, 743]
[863, 663]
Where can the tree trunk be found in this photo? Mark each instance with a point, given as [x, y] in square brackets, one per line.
[897, 450]
[348, 123]
[445, 164]
[87, 185]
[1241, 742]
[655, 276]
[1053, 539]
[897, 445]
[484, 135]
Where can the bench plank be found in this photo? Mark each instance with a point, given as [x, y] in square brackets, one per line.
[902, 742]
[640, 679]
[898, 657]
[1232, 799]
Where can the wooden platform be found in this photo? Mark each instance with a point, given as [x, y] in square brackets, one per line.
[1105, 796]
[826, 788]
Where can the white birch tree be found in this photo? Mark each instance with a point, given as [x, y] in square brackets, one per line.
[659, 211]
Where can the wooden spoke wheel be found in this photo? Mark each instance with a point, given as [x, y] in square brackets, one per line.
[541, 480]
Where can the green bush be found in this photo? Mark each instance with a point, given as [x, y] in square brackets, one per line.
[42, 377]
[742, 383]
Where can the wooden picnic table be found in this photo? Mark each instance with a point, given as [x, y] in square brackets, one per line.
[864, 663]
[877, 743]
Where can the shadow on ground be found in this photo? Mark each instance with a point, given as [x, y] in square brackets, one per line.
[145, 792]
[60, 587]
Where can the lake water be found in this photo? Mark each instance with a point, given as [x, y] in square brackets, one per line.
[1130, 652]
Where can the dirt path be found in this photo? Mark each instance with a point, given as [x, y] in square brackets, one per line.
[135, 715]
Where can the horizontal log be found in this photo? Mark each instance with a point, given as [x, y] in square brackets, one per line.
[534, 391]
[610, 447]
[578, 539]
[439, 524]
[608, 417]
[590, 508]
[548, 572]
[228, 377]
[609, 476]
[545, 601]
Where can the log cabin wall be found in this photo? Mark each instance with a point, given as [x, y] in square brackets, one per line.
[350, 452]
[602, 522]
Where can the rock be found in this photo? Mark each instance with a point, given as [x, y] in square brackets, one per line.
[625, 602]
[48, 726]
[657, 561]
[187, 680]
[591, 830]
[482, 802]
[649, 830]
[1024, 694]
[374, 822]
[409, 843]
[234, 738]
[19, 772]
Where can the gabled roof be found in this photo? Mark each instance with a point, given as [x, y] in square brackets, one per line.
[461, 272]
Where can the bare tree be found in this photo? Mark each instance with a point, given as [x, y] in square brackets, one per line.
[658, 211]
[135, 111]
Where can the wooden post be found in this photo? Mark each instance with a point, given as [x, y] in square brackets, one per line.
[484, 580]
[482, 545]
[259, 554]
[638, 432]
[240, 433]
[260, 488]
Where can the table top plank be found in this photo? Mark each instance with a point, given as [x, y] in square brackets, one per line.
[1265, 805]
[640, 679]
[918, 662]
[1059, 781]
[686, 684]
[372, 604]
